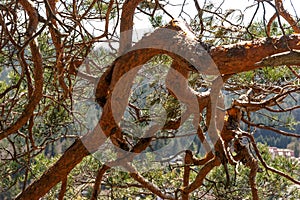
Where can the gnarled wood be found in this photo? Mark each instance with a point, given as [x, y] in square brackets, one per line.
[229, 59]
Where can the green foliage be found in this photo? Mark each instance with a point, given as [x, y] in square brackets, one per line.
[270, 185]
[257, 29]
[244, 77]
[45, 44]
[13, 173]
[295, 145]
[3, 86]
[156, 21]
[274, 74]
[53, 118]
[265, 75]
[40, 164]
[117, 184]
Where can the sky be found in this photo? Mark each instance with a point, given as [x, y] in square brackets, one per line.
[143, 26]
[243, 5]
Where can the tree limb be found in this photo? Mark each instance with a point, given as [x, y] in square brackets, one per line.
[285, 58]
[38, 71]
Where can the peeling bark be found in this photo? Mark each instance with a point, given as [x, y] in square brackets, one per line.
[241, 57]
[285, 58]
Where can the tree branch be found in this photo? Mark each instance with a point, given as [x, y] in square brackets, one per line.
[150, 186]
[127, 25]
[230, 59]
[38, 71]
[265, 164]
[285, 58]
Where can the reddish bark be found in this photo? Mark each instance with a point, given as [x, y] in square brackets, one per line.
[56, 173]
[37, 94]
[127, 24]
[236, 58]
[229, 59]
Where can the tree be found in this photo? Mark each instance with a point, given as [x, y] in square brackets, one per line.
[216, 53]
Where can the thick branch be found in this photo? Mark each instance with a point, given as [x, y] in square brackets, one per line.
[202, 174]
[285, 58]
[71, 157]
[56, 173]
[98, 180]
[63, 188]
[127, 24]
[33, 16]
[180, 46]
[240, 57]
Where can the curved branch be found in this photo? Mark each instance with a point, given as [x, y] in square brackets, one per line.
[265, 104]
[59, 48]
[127, 24]
[98, 180]
[33, 16]
[287, 16]
[229, 59]
[38, 71]
[150, 186]
[202, 174]
[270, 23]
